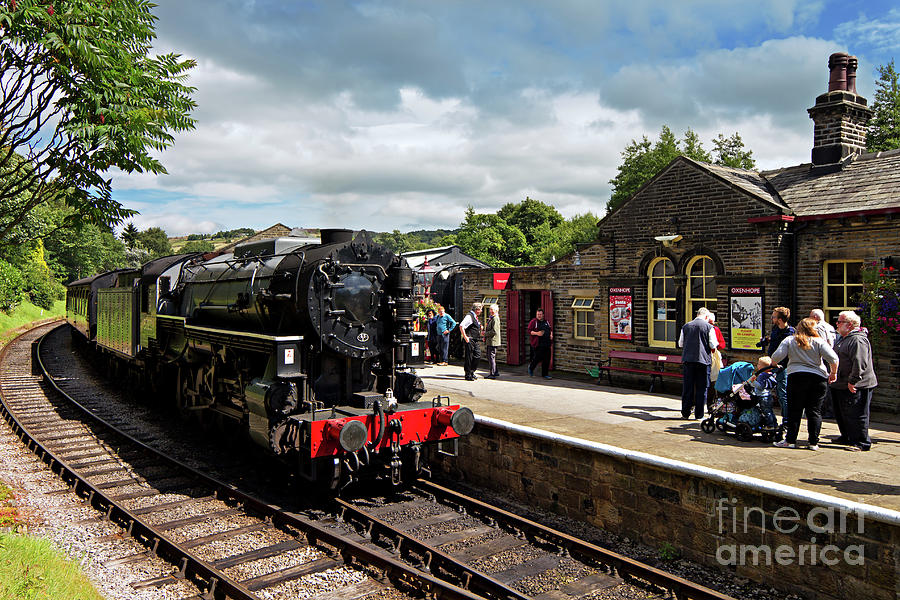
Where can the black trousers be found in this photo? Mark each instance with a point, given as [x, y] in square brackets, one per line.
[472, 356]
[852, 414]
[805, 391]
[540, 354]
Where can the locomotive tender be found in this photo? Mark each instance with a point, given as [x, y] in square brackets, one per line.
[304, 346]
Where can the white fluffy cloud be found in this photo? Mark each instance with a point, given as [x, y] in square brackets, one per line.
[397, 115]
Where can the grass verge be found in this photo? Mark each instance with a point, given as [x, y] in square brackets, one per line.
[11, 324]
[33, 569]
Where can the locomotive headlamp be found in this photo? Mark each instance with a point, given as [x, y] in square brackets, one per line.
[462, 420]
[351, 435]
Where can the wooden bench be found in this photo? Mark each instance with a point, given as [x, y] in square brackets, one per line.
[658, 361]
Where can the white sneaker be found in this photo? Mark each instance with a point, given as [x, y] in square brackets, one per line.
[814, 447]
[784, 444]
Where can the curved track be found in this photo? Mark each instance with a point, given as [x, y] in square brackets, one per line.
[428, 540]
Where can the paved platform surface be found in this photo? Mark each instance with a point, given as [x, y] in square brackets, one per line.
[652, 423]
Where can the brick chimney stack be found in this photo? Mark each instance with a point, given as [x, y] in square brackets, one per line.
[840, 115]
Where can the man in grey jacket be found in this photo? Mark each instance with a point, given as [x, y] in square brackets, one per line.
[852, 390]
[698, 340]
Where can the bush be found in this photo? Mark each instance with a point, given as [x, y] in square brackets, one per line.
[44, 293]
[11, 285]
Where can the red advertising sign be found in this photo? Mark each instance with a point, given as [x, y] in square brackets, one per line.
[621, 309]
[501, 280]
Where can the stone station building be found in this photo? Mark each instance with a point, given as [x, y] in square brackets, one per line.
[739, 242]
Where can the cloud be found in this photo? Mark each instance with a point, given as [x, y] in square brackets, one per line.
[872, 34]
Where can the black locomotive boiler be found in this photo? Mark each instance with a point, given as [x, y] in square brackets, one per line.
[305, 347]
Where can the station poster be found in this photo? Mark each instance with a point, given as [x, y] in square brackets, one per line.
[746, 308]
[621, 301]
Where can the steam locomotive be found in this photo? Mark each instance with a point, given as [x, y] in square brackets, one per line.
[304, 347]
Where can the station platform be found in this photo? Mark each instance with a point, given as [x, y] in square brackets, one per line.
[652, 423]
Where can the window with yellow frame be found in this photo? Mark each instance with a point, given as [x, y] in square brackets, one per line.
[841, 284]
[662, 312]
[701, 286]
[583, 309]
[488, 300]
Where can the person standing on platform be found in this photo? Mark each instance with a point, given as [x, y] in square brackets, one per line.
[718, 361]
[492, 340]
[807, 379]
[444, 324]
[541, 333]
[852, 390]
[780, 331]
[470, 330]
[826, 332]
[698, 340]
[431, 327]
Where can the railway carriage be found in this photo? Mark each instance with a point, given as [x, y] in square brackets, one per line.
[304, 346]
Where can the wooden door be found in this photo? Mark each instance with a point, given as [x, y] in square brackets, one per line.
[513, 328]
[547, 305]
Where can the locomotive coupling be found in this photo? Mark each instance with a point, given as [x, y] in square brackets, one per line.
[462, 420]
[351, 435]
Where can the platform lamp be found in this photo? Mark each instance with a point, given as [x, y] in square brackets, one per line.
[427, 273]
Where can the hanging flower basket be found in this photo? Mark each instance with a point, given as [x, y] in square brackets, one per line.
[879, 302]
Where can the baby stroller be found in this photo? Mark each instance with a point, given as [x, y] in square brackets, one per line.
[739, 409]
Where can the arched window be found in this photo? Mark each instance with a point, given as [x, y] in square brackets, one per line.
[701, 288]
[662, 312]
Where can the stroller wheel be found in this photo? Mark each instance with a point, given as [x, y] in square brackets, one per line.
[779, 433]
[708, 425]
[768, 436]
[743, 432]
[720, 424]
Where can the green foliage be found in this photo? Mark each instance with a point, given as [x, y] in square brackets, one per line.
[529, 216]
[85, 250]
[879, 303]
[130, 235]
[11, 286]
[729, 152]
[241, 232]
[884, 128]
[82, 96]
[155, 241]
[400, 242]
[489, 238]
[668, 552]
[23, 314]
[551, 244]
[198, 246]
[641, 160]
[34, 569]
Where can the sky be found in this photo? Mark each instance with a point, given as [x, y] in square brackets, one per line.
[400, 114]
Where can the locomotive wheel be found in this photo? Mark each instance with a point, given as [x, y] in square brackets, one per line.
[708, 425]
[743, 432]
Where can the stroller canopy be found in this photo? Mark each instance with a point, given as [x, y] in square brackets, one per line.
[737, 372]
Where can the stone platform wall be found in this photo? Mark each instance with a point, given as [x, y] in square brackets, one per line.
[710, 516]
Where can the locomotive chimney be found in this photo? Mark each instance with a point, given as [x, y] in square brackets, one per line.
[840, 115]
[336, 236]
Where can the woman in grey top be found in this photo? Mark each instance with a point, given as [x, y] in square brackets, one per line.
[807, 380]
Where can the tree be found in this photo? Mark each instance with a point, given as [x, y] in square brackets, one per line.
[85, 249]
[155, 241]
[641, 161]
[130, 235]
[400, 242]
[82, 95]
[197, 246]
[729, 152]
[528, 215]
[563, 239]
[489, 238]
[884, 128]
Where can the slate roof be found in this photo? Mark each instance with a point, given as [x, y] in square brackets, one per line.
[867, 182]
[748, 181]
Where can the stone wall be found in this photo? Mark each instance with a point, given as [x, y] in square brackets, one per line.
[660, 502]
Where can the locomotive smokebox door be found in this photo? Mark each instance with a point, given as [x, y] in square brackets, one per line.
[288, 354]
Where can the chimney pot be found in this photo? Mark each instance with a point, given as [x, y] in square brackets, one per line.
[837, 64]
[852, 63]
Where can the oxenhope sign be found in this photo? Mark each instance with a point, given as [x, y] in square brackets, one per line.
[501, 280]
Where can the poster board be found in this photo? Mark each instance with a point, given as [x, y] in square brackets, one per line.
[621, 312]
[746, 316]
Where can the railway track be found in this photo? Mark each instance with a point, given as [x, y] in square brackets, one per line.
[429, 540]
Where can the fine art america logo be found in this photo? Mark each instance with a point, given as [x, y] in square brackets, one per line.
[823, 523]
